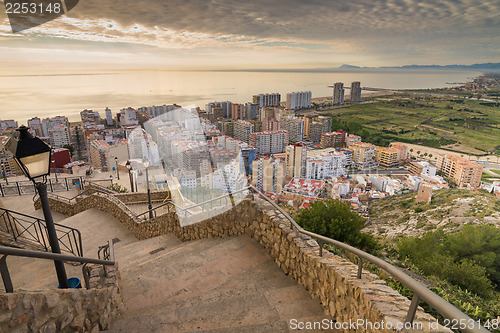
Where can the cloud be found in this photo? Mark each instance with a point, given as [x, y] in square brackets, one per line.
[412, 28]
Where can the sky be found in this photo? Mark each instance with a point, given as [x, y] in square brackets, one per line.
[271, 34]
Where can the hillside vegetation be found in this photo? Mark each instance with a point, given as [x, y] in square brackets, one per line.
[449, 209]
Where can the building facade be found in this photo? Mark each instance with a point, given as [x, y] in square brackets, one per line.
[463, 172]
[269, 142]
[298, 100]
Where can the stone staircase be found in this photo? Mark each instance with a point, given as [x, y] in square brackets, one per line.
[211, 285]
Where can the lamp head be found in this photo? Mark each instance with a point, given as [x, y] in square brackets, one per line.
[31, 154]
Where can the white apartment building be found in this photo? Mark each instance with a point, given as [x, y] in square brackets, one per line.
[128, 117]
[298, 100]
[326, 166]
[59, 136]
[267, 99]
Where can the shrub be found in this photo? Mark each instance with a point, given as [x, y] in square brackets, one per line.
[334, 219]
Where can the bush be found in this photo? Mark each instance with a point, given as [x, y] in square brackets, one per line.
[469, 258]
[334, 219]
[117, 188]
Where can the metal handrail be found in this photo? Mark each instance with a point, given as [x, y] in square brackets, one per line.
[9, 251]
[446, 309]
[12, 251]
[39, 234]
[195, 205]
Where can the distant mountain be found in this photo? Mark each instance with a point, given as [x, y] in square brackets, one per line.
[348, 66]
[488, 65]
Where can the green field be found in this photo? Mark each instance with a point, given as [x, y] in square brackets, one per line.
[433, 121]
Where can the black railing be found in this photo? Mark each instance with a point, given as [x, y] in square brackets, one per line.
[26, 187]
[9, 251]
[32, 231]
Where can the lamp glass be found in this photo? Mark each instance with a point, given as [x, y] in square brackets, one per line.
[36, 165]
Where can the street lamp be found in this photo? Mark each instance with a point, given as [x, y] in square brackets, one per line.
[129, 168]
[150, 206]
[54, 164]
[33, 157]
[117, 173]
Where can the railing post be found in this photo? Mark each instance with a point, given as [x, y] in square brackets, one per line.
[4, 270]
[51, 188]
[1, 190]
[66, 181]
[18, 188]
[413, 308]
[360, 267]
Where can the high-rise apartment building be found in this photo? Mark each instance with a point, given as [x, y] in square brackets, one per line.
[295, 128]
[355, 92]
[59, 136]
[319, 126]
[252, 111]
[109, 117]
[463, 172]
[262, 100]
[332, 139]
[35, 124]
[225, 108]
[386, 157]
[238, 111]
[268, 174]
[338, 93]
[269, 142]
[298, 100]
[242, 130]
[296, 156]
[270, 124]
[326, 166]
[363, 154]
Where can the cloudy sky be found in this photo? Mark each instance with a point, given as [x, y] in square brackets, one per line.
[235, 34]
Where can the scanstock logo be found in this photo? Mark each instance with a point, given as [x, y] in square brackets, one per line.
[26, 14]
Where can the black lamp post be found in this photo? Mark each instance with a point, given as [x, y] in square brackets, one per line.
[150, 206]
[129, 168]
[117, 173]
[33, 157]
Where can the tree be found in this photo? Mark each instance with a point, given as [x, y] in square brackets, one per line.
[334, 219]
[70, 148]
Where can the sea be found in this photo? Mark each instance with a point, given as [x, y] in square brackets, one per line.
[26, 96]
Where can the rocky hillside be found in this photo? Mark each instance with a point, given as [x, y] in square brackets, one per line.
[449, 209]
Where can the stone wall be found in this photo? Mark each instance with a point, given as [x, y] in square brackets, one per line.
[142, 197]
[64, 310]
[330, 278]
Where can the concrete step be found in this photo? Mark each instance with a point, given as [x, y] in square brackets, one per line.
[211, 285]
